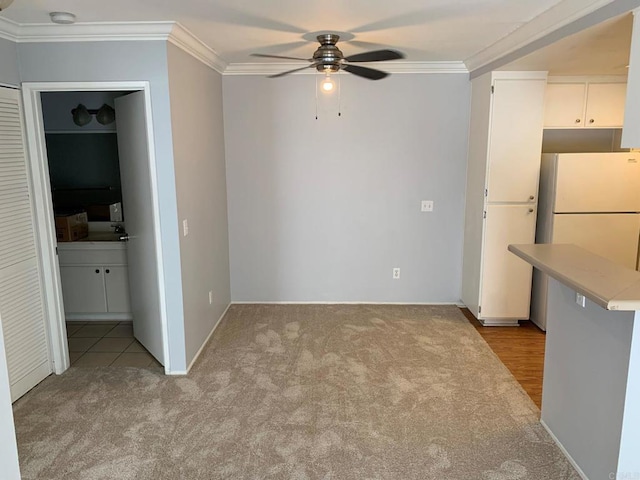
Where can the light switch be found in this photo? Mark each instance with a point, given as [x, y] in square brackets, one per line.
[185, 227]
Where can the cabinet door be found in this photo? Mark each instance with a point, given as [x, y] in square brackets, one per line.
[83, 289]
[506, 279]
[564, 105]
[605, 105]
[117, 284]
[515, 140]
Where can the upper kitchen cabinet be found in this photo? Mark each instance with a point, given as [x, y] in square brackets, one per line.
[574, 103]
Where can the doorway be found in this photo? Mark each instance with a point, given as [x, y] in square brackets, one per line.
[140, 200]
[84, 171]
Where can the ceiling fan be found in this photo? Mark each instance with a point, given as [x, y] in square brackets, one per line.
[329, 59]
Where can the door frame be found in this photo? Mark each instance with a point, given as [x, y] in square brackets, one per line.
[43, 206]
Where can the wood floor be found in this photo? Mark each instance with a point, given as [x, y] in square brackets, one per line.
[521, 349]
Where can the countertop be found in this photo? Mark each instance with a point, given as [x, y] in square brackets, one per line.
[95, 240]
[607, 284]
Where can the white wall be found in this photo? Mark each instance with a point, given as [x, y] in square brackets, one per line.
[583, 395]
[322, 210]
[480, 111]
[198, 150]
[8, 63]
[57, 106]
[134, 61]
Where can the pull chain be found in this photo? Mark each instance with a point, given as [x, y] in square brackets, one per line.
[339, 94]
[316, 77]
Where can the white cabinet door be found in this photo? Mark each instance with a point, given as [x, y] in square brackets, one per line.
[117, 285]
[515, 140]
[506, 279]
[605, 105]
[564, 105]
[83, 289]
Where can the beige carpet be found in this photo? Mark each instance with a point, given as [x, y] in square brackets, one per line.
[299, 392]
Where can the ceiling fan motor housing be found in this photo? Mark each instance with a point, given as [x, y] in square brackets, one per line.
[328, 56]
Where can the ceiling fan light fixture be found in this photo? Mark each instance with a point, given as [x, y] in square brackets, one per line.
[328, 85]
[328, 58]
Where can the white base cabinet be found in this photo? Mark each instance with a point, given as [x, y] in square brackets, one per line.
[95, 283]
[505, 144]
[83, 289]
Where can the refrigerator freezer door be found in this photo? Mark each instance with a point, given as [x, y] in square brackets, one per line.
[597, 182]
[612, 235]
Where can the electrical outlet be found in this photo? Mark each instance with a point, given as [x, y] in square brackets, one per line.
[426, 206]
[210, 297]
[396, 273]
[581, 300]
[185, 227]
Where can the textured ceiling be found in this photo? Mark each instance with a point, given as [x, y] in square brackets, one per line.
[599, 50]
[426, 30]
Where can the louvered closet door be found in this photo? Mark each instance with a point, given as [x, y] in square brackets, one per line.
[21, 299]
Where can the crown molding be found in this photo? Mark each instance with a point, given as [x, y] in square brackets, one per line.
[391, 67]
[551, 20]
[9, 29]
[172, 32]
[184, 39]
[94, 32]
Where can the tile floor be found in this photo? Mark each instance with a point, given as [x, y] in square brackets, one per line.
[102, 344]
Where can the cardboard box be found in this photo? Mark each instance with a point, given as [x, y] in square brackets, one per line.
[105, 213]
[72, 227]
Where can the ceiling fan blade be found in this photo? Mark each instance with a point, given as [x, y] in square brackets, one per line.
[365, 72]
[262, 55]
[375, 56]
[291, 71]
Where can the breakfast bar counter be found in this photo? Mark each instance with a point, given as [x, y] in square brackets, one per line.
[591, 385]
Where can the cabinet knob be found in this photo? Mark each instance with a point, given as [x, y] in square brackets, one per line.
[531, 210]
[577, 120]
[591, 121]
[97, 270]
[107, 270]
[531, 197]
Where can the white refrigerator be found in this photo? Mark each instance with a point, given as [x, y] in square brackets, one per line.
[591, 200]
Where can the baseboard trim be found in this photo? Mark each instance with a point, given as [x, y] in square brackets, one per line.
[197, 355]
[28, 381]
[489, 322]
[98, 317]
[346, 303]
[564, 451]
